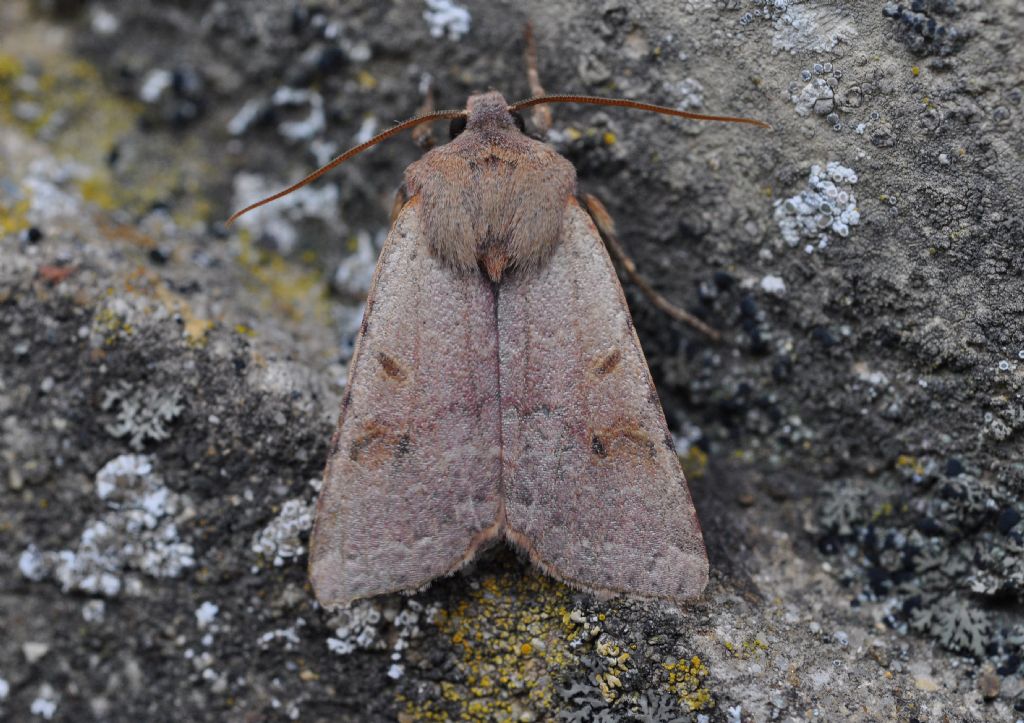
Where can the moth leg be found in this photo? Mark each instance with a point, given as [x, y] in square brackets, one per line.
[401, 197]
[603, 220]
[539, 114]
[423, 135]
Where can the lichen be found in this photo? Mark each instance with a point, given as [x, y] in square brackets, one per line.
[843, 510]
[142, 412]
[933, 552]
[512, 637]
[827, 206]
[358, 628]
[694, 462]
[922, 29]
[957, 625]
[138, 532]
[293, 290]
[281, 540]
[655, 707]
[446, 18]
[685, 681]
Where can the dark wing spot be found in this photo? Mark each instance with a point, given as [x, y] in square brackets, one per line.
[378, 445]
[391, 367]
[624, 438]
[640, 439]
[361, 443]
[608, 363]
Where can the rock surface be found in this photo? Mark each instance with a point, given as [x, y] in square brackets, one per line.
[168, 387]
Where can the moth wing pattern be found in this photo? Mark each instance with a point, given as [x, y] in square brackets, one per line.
[411, 487]
[592, 483]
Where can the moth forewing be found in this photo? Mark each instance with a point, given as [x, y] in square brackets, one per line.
[593, 487]
[498, 389]
[411, 487]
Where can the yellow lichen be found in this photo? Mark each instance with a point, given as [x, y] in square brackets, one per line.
[748, 648]
[83, 120]
[14, 217]
[510, 637]
[884, 510]
[110, 326]
[295, 291]
[366, 80]
[905, 461]
[685, 680]
[10, 67]
[98, 189]
[694, 462]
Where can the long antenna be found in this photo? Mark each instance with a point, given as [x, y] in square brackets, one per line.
[623, 103]
[448, 114]
[439, 115]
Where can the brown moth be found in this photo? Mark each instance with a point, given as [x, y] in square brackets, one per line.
[498, 390]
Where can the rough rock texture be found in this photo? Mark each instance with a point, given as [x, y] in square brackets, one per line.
[168, 387]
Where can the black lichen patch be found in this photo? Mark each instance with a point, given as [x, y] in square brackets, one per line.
[946, 550]
[924, 26]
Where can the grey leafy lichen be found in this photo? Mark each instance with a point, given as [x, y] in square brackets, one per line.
[956, 624]
[844, 509]
[657, 707]
[585, 701]
[142, 412]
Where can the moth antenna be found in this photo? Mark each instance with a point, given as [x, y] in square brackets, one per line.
[623, 103]
[438, 115]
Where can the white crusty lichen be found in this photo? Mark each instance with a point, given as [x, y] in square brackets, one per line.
[357, 628]
[445, 17]
[279, 221]
[828, 205]
[138, 532]
[281, 540]
[361, 627]
[206, 614]
[289, 637]
[46, 702]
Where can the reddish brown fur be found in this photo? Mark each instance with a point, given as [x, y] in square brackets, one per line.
[493, 196]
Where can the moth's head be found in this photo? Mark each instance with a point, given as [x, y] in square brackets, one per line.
[487, 111]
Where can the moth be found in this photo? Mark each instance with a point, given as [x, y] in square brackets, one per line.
[498, 391]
